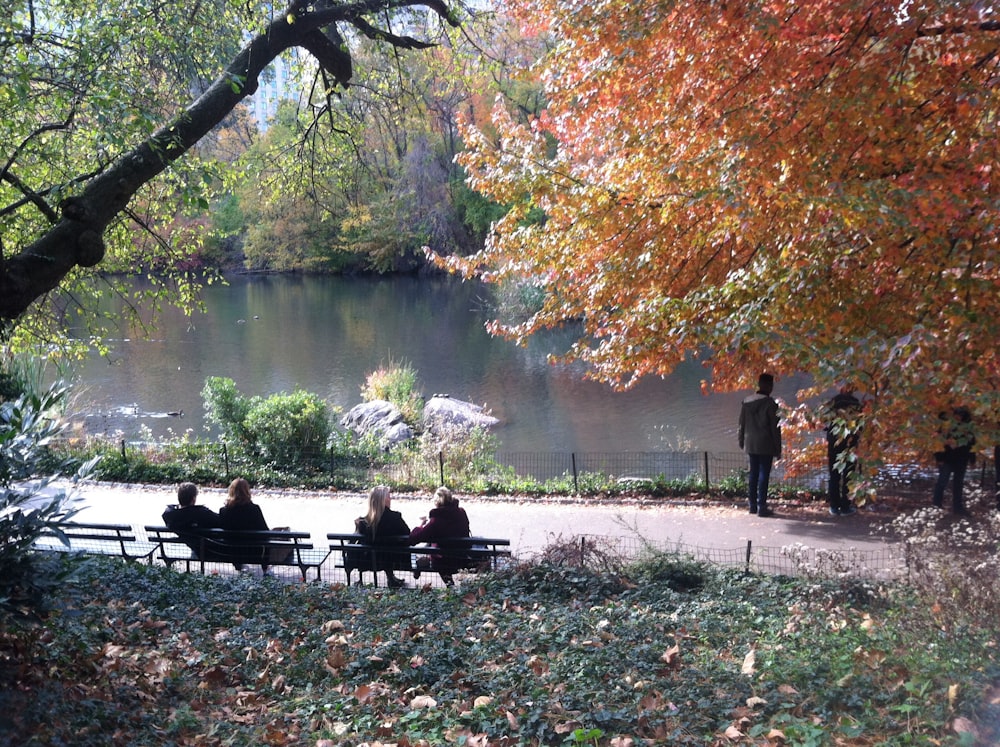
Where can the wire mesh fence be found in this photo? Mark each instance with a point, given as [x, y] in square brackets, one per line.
[793, 560]
[577, 472]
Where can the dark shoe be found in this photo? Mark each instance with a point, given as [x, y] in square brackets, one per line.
[420, 565]
[396, 583]
[834, 511]
[753, 509]
[765, 512]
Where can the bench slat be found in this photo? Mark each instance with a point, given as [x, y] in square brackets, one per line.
[354, 554]
[241, 547]
[95, 539]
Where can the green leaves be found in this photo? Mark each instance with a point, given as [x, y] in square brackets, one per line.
[245, 660]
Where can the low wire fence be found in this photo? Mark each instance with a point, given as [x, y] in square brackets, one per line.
[576, 472]
[885, 563]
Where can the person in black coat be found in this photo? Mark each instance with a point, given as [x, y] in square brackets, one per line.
[955, 457]
[187, 516]
[384, 528]
[843, 433]
[241, 514]
[447, 520]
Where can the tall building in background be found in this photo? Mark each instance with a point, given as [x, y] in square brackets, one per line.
[277, 84]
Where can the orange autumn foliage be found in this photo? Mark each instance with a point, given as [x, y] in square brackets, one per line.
[778, 185]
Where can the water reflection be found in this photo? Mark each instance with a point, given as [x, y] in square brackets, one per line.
[273, 334]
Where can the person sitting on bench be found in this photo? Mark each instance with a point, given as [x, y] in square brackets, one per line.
[447, 520]
[187, 516]
[241, 514]
[382, 527]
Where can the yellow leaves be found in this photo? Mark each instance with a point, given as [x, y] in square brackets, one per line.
[952, 696]
[769, 144]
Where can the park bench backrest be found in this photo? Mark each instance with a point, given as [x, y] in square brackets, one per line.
[94, 539]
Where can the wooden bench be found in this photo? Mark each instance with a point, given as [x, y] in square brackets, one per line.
[117, 540]
[275, 547]
[472, 554]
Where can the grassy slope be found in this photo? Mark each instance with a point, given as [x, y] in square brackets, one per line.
[667, 652]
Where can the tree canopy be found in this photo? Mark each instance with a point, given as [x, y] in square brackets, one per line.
[765, 185]
[93, 136]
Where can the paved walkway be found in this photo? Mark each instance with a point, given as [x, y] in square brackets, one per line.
[530, 524]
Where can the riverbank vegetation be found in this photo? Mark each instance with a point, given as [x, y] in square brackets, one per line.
[578, 646]
[606, 653]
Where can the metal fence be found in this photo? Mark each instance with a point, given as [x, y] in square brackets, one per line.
[701, 470]
[885, 563]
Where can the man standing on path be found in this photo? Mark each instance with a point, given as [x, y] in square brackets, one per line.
[760, 435]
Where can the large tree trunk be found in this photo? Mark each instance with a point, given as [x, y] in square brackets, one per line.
[77, 236]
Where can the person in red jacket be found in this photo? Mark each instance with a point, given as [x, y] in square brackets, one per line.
[447, 521]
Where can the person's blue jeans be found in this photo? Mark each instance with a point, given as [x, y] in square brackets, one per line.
[955, 473]
[758, 480]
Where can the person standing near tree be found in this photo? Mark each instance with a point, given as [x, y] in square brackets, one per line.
[955, 457]
[760, 435]
[843, 432]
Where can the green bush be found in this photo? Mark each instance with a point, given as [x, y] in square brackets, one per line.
[226, 407]
[291, 428]
[29, 504]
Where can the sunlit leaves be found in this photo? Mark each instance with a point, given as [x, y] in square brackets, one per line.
[763, 185]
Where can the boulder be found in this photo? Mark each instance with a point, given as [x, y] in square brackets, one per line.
[382, 418]
[443, 413]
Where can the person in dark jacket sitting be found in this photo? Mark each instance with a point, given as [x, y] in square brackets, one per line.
[385, 528]
[447, 520]
[187, 516]
[241, 514]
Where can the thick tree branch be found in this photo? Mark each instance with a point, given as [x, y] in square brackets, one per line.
[76, 236]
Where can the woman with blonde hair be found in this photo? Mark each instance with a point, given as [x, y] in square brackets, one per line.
[384, 528]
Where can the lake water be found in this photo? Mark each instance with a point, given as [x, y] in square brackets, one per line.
[325, 335]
